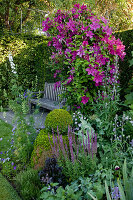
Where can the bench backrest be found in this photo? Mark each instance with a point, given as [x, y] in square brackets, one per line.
[51, 93]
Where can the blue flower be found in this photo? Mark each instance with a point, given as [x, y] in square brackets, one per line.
[131, 142]
[115, 193]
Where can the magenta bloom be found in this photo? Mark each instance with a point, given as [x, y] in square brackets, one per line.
[57, 85]
[94, 26]
[84, 99]
[80, 52]
[89, 34]
[85, 43]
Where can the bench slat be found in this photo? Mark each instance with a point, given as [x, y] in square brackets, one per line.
[51, 97]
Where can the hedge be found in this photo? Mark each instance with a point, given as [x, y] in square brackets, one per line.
[6, 190]
[30, 55]
[126, 71]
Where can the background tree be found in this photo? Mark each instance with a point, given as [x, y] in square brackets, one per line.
[13, 12]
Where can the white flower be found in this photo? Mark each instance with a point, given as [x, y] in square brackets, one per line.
[1, 139]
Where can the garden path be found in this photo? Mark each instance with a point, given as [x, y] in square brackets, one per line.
[39, 118]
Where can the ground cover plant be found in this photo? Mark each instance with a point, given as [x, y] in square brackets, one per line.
[90, 154]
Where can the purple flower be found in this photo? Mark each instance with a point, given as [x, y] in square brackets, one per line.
[115, 193]
[117, 167]
[80, 52]
[1, 152]
[14, 167]
[89, 34]
[94, 26]
[12, 163]
[84, 99]
[57, 84]
[131, 142]
[85, 43]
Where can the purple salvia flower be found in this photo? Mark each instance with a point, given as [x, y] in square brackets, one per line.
[77, 151]
[67, 151]
[62, 146]
[88, 142]
[75, 145]
[58, 133]
[92, 145]
[71, 148]
[83, 143]
[57, 146]
[95, 142]
[51, 144]
[52, 131]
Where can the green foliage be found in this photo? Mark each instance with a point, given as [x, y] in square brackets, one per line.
[6, 190]
[60, 118]
[76, 190]
[118, 12]
[24, 131]
[129, 90]
[30, 53]
[28, 184]
[126, 192]
[32, 11]
[82, 167]
[42, 149]
[124, 66]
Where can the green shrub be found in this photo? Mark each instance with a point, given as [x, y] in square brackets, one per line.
[42, 149]
[6, 190]
[60, 118]
[28, 184]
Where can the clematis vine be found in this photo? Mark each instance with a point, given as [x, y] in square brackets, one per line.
[83, 46]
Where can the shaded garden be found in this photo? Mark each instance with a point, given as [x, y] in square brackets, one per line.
[86, 153]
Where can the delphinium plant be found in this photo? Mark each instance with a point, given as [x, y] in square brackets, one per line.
[82, 46]
[106, 105]
[23, 132]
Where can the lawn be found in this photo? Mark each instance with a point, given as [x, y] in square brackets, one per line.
[5, 135]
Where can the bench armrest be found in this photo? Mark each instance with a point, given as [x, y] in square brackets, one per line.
[38, 92]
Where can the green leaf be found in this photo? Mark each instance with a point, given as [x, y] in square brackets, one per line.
[92, 196]
[123, 197]
[107, 191]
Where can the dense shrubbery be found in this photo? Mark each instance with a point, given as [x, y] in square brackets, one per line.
[126, 71]
[28, 184]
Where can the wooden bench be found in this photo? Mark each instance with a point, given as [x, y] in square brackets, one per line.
[51, 98]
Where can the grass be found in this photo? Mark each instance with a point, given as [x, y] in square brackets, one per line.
[6, 190]
[5, 134]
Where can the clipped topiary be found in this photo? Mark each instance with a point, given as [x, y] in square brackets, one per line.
[60, 118]
[42, 149]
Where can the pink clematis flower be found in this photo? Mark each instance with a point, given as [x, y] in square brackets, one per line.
[85, 43]
[89, 34]
[84, 99]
